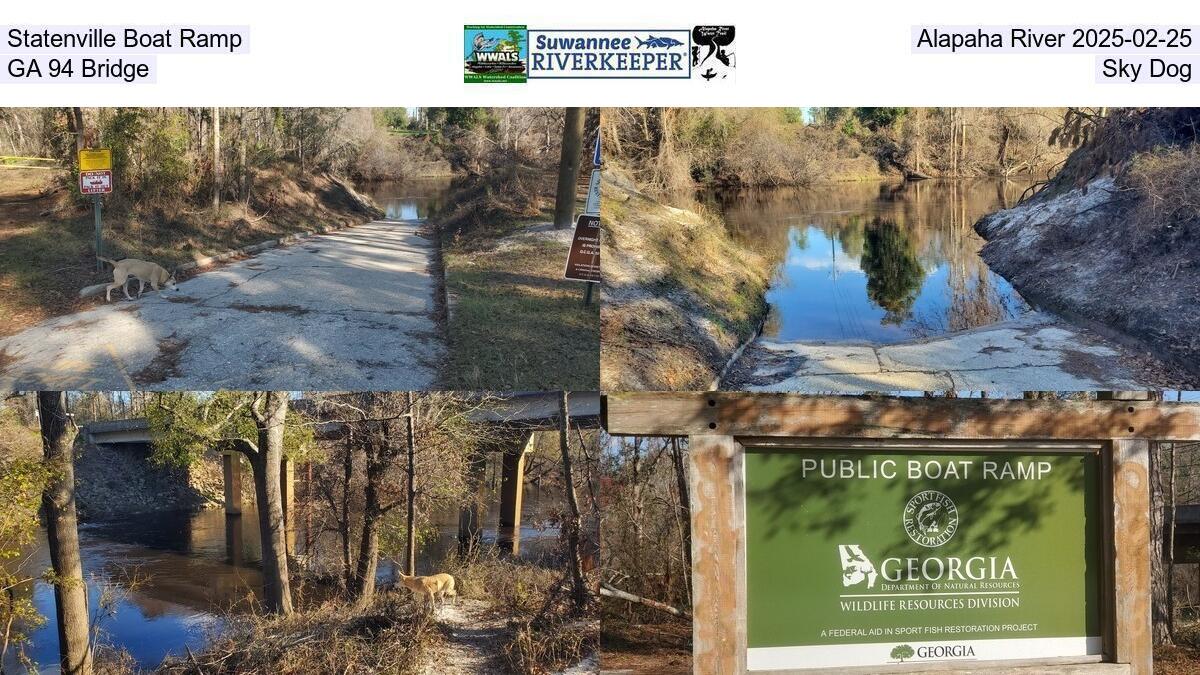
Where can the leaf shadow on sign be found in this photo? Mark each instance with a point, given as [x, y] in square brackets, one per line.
[994, 512]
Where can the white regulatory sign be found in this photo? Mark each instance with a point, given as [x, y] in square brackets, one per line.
[95, 182]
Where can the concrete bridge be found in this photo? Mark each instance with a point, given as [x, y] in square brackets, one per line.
[511, 419]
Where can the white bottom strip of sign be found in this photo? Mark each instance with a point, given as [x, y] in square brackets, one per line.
[881, 653]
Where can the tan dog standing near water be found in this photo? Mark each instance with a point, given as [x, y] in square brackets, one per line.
[433, 589]
[145, 272]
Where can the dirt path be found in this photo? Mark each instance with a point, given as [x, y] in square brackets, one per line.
[473, 643]
[1035, 352]
[344, 311]
[473, 640]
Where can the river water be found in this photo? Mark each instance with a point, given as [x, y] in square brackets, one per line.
[169, 576]
[874, 262]
[416, 199]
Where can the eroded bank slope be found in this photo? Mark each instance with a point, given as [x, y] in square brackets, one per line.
[1114, 240]
[679, 297]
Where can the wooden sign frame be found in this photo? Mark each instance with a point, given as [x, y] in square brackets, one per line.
[721, 425]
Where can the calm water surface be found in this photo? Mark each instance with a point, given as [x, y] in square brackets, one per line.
[871, 262]
[171, 575]
[411, 199]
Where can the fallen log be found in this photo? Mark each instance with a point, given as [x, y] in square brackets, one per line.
[609, 591]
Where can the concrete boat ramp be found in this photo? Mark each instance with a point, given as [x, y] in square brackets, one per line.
[343, 311]
[1037, 351]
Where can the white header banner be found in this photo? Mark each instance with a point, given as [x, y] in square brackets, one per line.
[698, 53]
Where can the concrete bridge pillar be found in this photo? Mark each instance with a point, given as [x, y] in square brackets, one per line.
[235, 547]
[231, 467]
[512, 488]
[470, 515]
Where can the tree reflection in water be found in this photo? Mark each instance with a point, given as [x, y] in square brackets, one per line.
[873, 262]
[894, 274]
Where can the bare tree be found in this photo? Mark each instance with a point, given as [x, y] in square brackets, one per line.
[371, 421]
[685, 509]
[62, 534]
[410, 428]
[572, 523]
[216, 150]
[568, 167]
[75, 121]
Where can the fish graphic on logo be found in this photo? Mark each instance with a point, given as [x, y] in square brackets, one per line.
[930, 518]
[856, 567]
[659, 42]
[485, 44]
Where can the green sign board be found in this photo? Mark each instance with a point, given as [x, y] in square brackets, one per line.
[870, 558]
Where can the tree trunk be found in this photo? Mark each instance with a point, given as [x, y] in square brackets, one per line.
[568, 168]
[1170, 563]
[348, 479]
[572, 523]
[1002, 153]
[685, 504]
[62, 535]
[635, 465]
[410, 423]
[368, 545]
[242, 177]
[953, 144]
[267, 464]
[216, 143]
[1159, 570]
[76, 119]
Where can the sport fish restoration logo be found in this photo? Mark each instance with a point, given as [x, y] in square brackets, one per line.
[495, 53]
[610, 54]
[930, 518]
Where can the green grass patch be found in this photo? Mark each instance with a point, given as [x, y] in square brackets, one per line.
[516, 323]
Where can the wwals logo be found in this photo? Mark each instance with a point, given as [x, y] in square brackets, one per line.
[930, 518]
[495, 53]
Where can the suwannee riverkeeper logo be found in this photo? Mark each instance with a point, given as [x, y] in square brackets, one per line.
[515, 53]
[930, 518]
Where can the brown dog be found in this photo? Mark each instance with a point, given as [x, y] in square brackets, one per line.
[434, 588]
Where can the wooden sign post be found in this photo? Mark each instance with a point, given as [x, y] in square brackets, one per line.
[897, 551]
[583, 260]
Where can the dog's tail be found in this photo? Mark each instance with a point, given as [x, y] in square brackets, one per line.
[110, 262]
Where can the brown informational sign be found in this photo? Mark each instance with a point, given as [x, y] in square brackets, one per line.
[583, 262]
